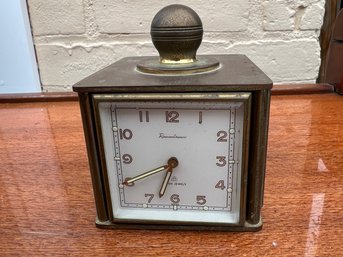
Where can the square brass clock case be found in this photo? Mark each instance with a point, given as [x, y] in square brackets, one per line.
[244, 98]
[236, 74]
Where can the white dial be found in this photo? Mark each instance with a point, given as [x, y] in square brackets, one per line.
[174, 159]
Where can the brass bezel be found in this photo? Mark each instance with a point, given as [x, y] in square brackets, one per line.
[245, 97]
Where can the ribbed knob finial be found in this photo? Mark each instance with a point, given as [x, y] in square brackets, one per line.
[176, 32]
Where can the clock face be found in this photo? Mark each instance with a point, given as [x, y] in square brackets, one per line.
[175, 158]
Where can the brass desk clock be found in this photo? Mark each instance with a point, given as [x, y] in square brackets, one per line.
[179, 141]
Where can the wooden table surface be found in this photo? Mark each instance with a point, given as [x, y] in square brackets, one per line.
[46, 200]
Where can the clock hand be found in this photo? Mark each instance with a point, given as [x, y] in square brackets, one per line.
[172, 163]
[147, 174]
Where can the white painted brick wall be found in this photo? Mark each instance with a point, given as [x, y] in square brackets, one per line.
[114, 16]
[75, 38]
[57, 17]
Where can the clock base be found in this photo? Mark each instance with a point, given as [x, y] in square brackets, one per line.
[247, 227]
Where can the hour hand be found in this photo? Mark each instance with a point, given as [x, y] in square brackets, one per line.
[172, 163]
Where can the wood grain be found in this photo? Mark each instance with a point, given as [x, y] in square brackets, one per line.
[47, 206]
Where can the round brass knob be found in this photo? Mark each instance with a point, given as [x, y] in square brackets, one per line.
[176, 32]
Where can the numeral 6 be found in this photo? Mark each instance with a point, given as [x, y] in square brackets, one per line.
[175, 198]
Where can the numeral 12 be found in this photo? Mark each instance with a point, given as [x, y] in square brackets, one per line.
[172, 116]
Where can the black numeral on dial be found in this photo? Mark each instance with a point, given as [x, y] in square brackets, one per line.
[221, 161]
[201, 199]
[151, 196]
[125, 134]
[143, 117]
[127, 159]
[220, 185]
[222, 136]
[175, 198]
[172, 116]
